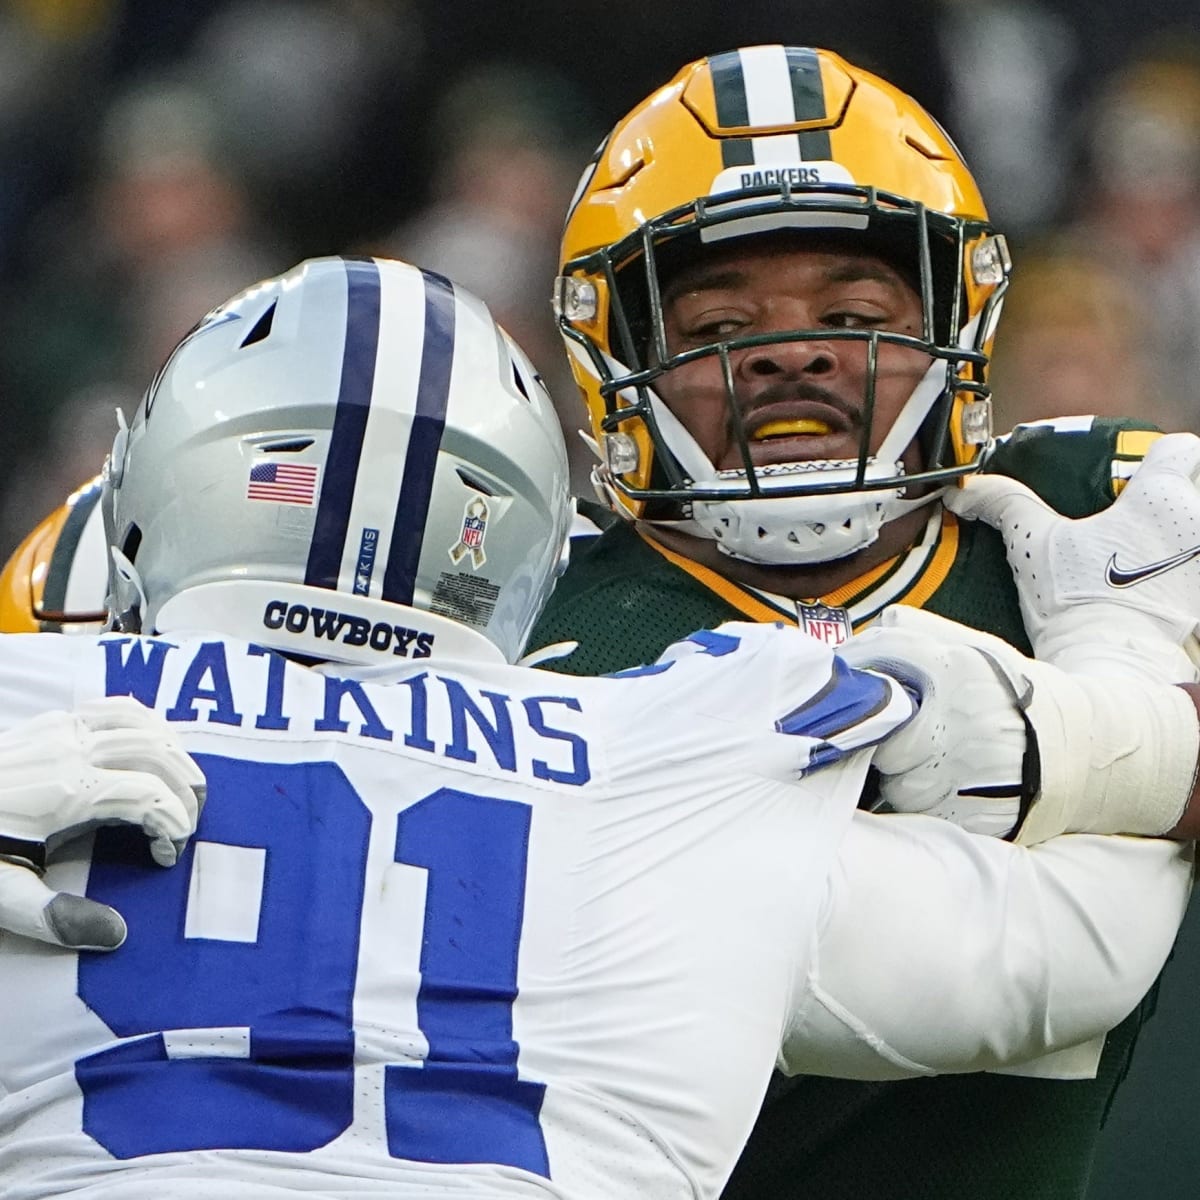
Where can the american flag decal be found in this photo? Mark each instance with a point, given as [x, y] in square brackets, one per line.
[283, 483]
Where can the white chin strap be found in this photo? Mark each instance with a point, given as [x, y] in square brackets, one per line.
[800, 530]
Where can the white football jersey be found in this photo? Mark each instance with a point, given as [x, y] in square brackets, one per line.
[466, 929]
[474, 930]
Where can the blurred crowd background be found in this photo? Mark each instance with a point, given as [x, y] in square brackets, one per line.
[158, 155]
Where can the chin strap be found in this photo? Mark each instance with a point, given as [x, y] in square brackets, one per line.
[824, 549]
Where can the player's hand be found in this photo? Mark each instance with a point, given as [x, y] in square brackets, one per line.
[113, 761]
[1116, 593]
[962, 757]
[1095, 755]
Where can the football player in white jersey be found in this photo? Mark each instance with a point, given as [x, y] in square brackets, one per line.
[450, 927]
[62, 774]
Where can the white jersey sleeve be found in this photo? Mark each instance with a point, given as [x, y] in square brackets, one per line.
[941, 951]
[774, 680]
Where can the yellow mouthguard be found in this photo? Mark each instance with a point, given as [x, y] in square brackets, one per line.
[790, 428]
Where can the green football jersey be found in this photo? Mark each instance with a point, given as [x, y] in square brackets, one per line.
[623, 599]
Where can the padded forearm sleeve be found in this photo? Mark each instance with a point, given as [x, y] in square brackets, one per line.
[1118, 754]
[1109, 640]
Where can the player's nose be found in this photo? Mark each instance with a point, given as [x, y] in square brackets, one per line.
[801, 357]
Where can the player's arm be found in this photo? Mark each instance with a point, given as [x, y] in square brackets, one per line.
[945, 952]
[1114, 600]
[64, 774]
[1034, 750]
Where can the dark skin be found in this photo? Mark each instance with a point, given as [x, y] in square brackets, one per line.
[800, 400]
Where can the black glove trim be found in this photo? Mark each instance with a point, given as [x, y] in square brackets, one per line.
[23, 853]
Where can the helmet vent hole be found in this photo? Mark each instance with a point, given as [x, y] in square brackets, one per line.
[521, 385]
[262, 328]
[292, 446]
[474, 482]
[930, 152]
[133, 539]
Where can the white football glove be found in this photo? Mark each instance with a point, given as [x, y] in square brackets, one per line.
[63, 774]
[1084, 755]
[1116, 593]
[962, 756]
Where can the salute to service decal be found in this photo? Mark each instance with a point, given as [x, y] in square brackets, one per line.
[474, 529]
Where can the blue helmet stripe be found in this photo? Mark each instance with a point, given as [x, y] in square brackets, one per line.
[433, 393]
[349, 424]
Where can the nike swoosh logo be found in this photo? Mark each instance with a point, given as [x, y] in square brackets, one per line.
[1115, 577]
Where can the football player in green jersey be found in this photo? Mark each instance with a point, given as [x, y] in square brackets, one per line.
[779, 291]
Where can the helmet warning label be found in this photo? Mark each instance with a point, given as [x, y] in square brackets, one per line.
[465, 598]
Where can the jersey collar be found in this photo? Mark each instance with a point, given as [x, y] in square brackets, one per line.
[909, 578]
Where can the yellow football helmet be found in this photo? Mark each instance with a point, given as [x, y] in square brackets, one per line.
[56, 579]
[749, 141]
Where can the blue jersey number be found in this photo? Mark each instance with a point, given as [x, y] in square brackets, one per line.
[268, 1062]
[475, 850]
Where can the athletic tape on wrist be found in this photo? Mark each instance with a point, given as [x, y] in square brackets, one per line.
[1117, 755]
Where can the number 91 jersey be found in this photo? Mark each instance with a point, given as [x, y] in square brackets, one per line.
[461, 929]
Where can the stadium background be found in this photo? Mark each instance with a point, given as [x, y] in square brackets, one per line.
[157, 155]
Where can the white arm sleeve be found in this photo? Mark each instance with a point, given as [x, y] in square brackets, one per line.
[943, 952]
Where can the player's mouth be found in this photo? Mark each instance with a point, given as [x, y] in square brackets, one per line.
[798, 431]
[799, 427]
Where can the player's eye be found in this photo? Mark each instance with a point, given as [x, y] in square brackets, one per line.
[850, 319]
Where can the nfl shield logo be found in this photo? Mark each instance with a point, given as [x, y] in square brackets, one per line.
[823, 622]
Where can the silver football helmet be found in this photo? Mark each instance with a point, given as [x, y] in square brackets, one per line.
[351, 461]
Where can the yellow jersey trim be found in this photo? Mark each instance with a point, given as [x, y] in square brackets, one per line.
[1134, 443]
[916, 593]
[732, 593]
[935, 574]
